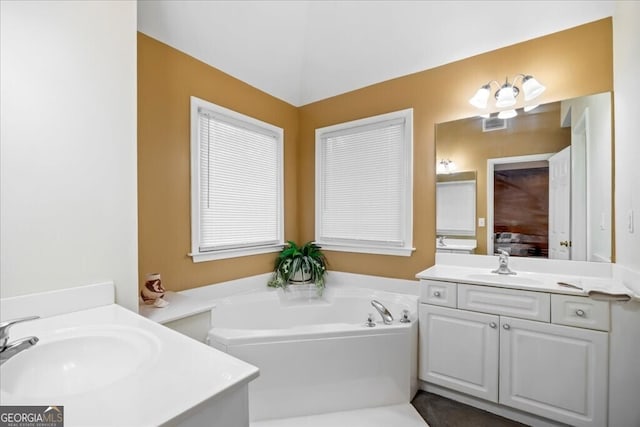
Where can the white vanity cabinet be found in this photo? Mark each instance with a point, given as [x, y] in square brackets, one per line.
[459, 350]
[501, 345]
[558, 372]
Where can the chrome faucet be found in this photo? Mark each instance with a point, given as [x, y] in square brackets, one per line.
[503, 266]
[441, 241]
[387, 318]
[8, 350]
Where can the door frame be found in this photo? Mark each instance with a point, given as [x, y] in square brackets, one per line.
[580, 185]
[490, 183]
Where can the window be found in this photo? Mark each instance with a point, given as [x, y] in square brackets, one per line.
[456, 208]
[364, 183]
[236, 184]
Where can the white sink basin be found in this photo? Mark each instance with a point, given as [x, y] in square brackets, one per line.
[77, 360]
[506, 279]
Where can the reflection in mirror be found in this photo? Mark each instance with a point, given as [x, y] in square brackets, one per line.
[456, 212]
[543, 179]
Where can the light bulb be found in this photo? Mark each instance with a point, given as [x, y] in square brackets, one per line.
[507, 114]
[532, 88]
[506, 96]
[481, 97]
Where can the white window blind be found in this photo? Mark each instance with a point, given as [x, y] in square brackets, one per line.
[456, 208]
[238, 179]
[363, 197]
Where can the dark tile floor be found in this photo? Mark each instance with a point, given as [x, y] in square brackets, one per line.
[439, 411]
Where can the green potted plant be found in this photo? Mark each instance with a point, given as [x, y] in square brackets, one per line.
[299, 265]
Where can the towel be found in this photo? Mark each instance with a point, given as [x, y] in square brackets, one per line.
[601, 294]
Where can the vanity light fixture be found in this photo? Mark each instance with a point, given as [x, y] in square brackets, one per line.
[445, 166]
[507, 93]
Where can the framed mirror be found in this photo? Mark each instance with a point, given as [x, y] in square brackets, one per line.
[543, 179]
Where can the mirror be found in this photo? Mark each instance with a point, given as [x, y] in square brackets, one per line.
[456, 212]
[543, 179]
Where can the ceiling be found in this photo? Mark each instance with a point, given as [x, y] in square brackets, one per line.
[305, 51]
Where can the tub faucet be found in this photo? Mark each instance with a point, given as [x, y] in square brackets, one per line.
[387, 318]
[8, 350]
[503, 266]
[441, 241]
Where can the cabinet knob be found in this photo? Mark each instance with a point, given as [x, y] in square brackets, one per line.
[493, 325]
[506, 326]
[436, 294]
[580, 312]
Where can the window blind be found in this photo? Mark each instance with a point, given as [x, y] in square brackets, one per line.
[456, 208]
[240, 181]
[362, 185]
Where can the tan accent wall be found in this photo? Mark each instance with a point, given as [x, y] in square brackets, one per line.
[166, 80]
[464, 142]
[570, 63]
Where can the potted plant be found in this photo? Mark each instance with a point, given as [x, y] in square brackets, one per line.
[299, 265]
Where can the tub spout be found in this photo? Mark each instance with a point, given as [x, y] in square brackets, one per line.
[387, 318]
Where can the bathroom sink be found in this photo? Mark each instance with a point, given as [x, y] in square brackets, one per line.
[77, 360]
[506, 279]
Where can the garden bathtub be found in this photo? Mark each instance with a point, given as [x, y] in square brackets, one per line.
[318, 355]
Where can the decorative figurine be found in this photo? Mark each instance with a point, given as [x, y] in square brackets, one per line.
[152, 292]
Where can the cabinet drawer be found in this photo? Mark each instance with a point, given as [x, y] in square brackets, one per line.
[438, 293]
[508, 302]
[580, 311]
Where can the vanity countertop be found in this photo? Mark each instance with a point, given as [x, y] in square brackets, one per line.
[174, 375]
[530, 275]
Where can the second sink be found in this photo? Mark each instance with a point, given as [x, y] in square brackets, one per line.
[76, 360]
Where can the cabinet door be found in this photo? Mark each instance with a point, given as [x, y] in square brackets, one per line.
[459, 350]
[558, 372]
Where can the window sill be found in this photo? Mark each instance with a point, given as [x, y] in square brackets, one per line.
[378, 250]
[233, 253]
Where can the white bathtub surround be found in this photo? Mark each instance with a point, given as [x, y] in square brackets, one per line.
[319, 356]
[334, 279]
[403, 415]
[149, 374]
[180, 306]
[339, 279]
[187, 310]
[320, 328]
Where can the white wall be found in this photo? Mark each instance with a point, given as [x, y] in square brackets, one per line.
[598, 164]
[626, 66]
[68, 146]
[624, 389]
